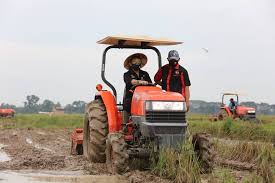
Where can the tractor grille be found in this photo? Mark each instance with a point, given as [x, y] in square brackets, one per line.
[169, 130]
[251, 115]
[165, 117]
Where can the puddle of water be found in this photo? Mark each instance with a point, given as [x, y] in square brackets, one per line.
[11, 177]
[3, 156]
[29, 141]
[57, 177]
[2, 145]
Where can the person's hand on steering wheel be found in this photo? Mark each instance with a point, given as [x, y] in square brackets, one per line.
[143, 82]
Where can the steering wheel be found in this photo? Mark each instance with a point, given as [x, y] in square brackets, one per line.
[134, 86]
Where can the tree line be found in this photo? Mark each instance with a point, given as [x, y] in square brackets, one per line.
[32, 106]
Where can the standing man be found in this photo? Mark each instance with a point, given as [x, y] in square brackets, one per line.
[173, 77]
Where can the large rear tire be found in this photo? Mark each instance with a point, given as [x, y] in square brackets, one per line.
[117, 158]
[222, 114]
[95, 131]
[204, 150]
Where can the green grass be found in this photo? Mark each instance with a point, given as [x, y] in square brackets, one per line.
[180, 166]
[197, 123]
[43, 121]
[235, 129]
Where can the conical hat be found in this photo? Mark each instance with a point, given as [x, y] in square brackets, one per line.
[142, 57]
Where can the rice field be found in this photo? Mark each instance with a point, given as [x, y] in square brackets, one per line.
[245, 150]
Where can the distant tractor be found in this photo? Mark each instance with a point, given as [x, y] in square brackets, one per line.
[157, 119]
[7, 113]
[241, 112]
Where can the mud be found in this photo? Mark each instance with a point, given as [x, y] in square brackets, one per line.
[35, 151]
[52, 176]
[31, 149]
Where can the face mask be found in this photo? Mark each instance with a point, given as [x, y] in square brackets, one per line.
[136, 67]
[173, 63]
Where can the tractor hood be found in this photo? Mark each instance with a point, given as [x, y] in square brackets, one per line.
[7, 111]
[151, 93]
[245, 110]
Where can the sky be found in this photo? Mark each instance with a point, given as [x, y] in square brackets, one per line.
[48, 47]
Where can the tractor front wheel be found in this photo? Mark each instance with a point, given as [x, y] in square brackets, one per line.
[95, 131]
[204, 150]
[117, 158]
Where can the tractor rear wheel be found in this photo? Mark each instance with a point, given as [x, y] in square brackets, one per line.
[95, 131]
[117, 158]
[222, 114]
[204, 150]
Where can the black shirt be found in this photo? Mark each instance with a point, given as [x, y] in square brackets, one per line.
[175, 83]
[130, 75]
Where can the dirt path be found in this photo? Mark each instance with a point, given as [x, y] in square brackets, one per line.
[49, 149]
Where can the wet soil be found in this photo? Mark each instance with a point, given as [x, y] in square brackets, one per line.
[40, 150]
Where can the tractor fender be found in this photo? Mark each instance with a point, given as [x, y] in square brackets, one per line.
[112, 112]
[228, 111]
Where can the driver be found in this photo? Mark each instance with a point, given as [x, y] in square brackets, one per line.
[232, 105]
[133, 77]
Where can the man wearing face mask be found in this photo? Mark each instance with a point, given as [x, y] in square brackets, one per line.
[173, 77]
[133, 77]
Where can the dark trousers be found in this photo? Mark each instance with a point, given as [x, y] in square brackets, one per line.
[126, 109]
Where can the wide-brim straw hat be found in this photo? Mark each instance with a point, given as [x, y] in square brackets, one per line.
[141, 56]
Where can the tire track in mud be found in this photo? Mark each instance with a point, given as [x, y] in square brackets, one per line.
[37, 149]
[49, 149]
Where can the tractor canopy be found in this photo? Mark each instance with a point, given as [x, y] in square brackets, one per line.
[131, 42]
[137, 41]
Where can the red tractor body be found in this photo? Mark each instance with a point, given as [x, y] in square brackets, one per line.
[7, 113]
[149, 93]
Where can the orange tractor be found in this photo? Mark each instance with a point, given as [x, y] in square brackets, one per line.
[239, 111]
[7, 113]
[157, 119]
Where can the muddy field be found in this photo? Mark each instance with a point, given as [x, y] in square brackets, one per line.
[35, 148]
[43, 151]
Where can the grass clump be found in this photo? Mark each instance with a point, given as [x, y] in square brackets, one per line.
[222, 175]
[258, 153]
[245, 151]
[227, 126]
[235, 129]
[264, 166]
[180, 166]
[226, 177]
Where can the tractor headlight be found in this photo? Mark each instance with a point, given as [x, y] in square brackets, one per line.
[165, 106]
